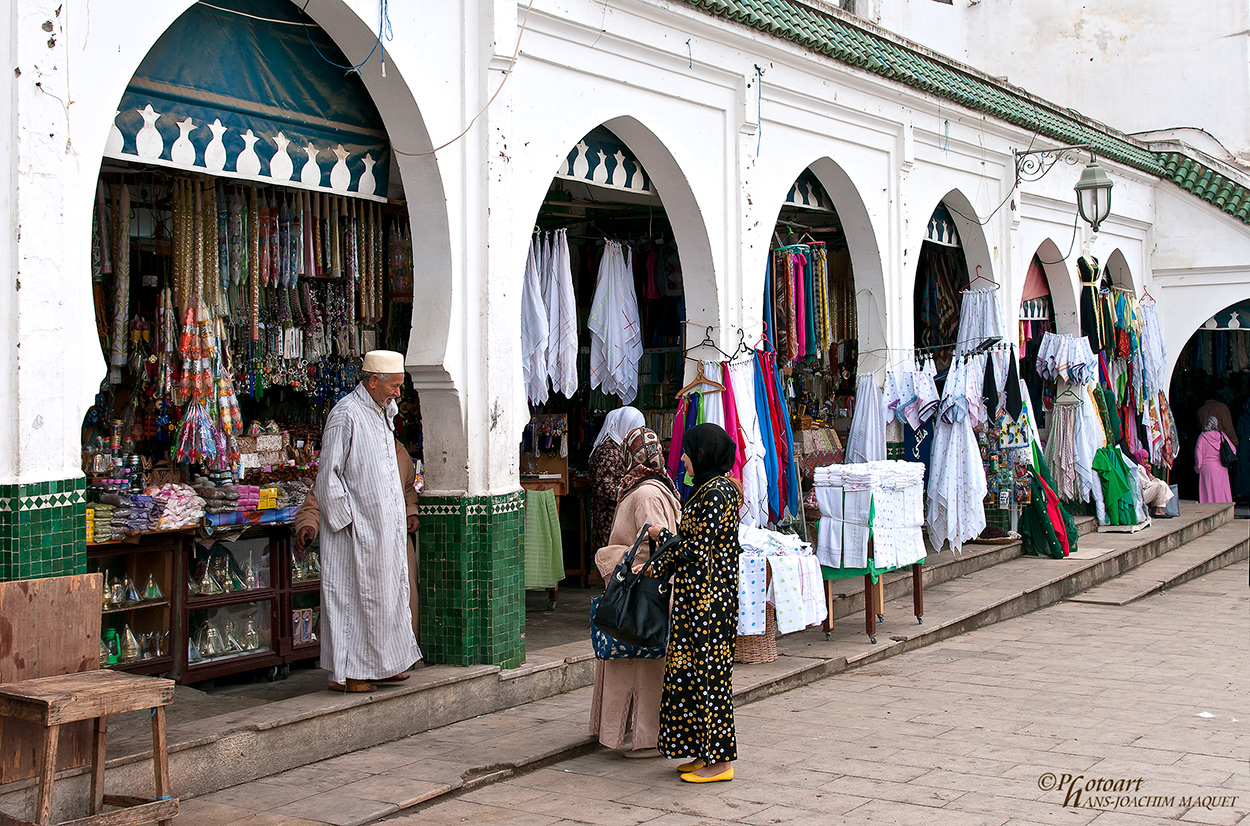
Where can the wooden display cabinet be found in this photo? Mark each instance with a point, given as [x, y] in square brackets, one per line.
[301, 600]
[139, 589]
[229, 605]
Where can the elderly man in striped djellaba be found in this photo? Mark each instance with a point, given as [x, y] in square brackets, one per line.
[366, 622]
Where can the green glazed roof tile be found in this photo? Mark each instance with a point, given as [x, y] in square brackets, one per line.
[854, 45]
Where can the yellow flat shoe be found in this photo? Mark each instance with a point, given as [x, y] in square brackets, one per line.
[691, 766]
[727, 774]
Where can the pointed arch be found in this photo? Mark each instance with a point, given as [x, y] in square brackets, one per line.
[1063, 297]
[669, 181]
[971, 234]
[865, 252]
[422, 181]
[1116, 268]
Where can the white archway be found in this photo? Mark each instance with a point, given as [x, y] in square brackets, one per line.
[972, 243]
[668, 180]
[445, 435]
[1063, 296]
[1117, 270]
[865, 252]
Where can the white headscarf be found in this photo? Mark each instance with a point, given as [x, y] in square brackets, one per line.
[617, 424]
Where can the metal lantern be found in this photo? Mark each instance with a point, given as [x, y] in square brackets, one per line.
[1093, 194]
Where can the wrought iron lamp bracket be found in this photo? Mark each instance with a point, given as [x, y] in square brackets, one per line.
[1033, 164]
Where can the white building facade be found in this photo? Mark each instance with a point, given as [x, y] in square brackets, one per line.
[724, 109]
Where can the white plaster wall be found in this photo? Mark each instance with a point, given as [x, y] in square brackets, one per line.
[722, 150]
[1134, 64]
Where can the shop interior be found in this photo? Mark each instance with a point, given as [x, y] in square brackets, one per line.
[601, 210]
[232, 311]
[1214, 366]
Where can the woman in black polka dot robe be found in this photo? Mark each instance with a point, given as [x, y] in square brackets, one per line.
[696, 711]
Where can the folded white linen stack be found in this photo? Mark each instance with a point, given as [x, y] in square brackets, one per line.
[890, 490]
[844, 495]
[898, 515]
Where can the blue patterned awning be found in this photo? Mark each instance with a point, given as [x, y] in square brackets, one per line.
[1236, 317]
[240, 89]
[808, 192]
[941, 228]
[602, 158]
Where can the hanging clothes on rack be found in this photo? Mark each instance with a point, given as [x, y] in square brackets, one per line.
[1095, 323]
[866, 440]
[534, 330]
[1060, 450]
[740, 376]
[615, 326]
[561, 319]
[957, 483]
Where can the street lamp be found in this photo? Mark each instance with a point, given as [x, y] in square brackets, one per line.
[1093, 194]
[1093, 190]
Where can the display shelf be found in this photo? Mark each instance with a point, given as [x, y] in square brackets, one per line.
[268, 547]
[230, 598]
[152, 665]
[136, 538]
[225, 666]
[124, 566]
[138, 606]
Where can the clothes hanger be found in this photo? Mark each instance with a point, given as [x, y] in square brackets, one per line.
[708, 342]
[700, 379]
[763, 339]
[980, 277]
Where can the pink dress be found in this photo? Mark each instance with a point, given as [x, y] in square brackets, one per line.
[1212, 475]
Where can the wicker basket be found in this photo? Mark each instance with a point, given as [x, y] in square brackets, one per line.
[759, 648]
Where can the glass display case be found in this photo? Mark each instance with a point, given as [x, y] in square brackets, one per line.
[135, 613]
[229, 631]
[302, 602]
[229, 600]
[229, 567]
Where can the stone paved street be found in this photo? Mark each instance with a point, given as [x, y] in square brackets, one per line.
[973, 731]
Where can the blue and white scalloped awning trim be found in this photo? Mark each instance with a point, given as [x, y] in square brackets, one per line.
[253, 90]
[602, 158]
[248, 149]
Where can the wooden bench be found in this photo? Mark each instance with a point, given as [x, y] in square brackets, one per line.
[54, 701]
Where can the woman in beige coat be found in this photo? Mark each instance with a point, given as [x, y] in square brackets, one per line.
[627, 692]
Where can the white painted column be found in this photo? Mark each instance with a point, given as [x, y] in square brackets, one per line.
[50, 354]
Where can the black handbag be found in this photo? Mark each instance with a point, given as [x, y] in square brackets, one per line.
[1227, 457]
[634, 606]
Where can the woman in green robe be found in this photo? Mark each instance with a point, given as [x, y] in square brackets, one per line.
[696, 709]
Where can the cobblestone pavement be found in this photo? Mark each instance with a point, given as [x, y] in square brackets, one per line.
[1075, 714]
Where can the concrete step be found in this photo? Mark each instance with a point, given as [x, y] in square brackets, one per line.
[978, 588]
[848, 597]
[1223, 546]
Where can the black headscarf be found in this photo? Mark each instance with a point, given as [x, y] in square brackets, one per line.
[711, 452]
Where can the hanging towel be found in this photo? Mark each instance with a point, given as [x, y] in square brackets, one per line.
[754, 469]
[562, 320]
[866, 442]
[544, 551]
[815, 609]
[732, 426]
[534, 330]
[752, 594]
[785, 594]
[615, 326]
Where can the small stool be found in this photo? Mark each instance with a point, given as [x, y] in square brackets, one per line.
[68, 698]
